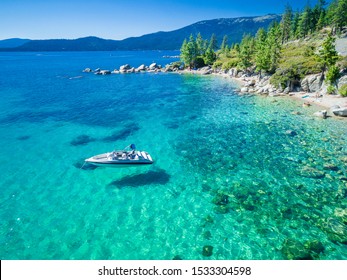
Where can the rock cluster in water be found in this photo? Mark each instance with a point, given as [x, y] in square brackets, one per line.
[127, 69]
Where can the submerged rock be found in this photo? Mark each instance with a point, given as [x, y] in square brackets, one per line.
[342, 214]
[331, 167]
[220, 199]
[207, 235]
[221, 209]
[177, 258]
[209, 219]
[296, 113]
[206, 187]
[291, 132]
[314, 246]
[310, 172]
[336, 230]
[295, 250]
[207, 251]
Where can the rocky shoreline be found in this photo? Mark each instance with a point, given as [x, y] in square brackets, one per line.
[311, 90]
[128, 69]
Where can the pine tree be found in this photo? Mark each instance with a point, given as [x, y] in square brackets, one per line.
[304, 24]
[329, 56]
[184, 55]
[340, 18]
[209, 57]
[321, 21]
[213, 42]
[274, 45]
[295, 25]
[189, 52]
[224, 44]
[330, 14]
[314, 17]
[286, 23]
[201, 49]
[246, 52]
[262, 52]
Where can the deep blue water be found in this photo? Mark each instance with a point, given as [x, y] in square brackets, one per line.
[226, 173]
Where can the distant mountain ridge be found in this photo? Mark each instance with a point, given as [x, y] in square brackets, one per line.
[13, 42]
[234, 28]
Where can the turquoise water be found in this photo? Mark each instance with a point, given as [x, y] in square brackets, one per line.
[227, 172]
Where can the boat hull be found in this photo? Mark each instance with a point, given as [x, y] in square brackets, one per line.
[118, 165]
[114, 159]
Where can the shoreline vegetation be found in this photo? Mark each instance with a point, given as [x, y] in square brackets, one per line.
[304, 56]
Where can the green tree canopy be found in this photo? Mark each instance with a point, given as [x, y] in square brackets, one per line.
[246, 52]
[304, 24]
[328, 54]
[213, 42]
[274, 45]
[189, 51]
[340, 16]
[224, 44]
[262, 51]
[286, 23]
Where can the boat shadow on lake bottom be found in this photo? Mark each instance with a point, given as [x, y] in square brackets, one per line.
[159, 177]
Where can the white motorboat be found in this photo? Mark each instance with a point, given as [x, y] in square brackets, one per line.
[121, 158]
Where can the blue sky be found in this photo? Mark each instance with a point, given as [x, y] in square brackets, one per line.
[119, 19]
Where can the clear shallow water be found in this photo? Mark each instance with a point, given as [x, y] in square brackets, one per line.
[226, 173]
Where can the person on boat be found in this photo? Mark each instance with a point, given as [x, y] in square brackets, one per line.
[133, 152]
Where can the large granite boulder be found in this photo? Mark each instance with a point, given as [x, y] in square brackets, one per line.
[124, 68]
[321, 114]
[233, 72]
[153, 66]
[342, 81]
[142, 67]
[205, 70]
[312, 83]
[339, 111]
[105, 72]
